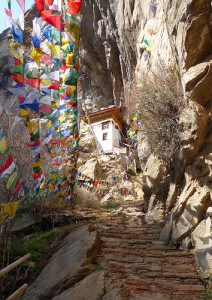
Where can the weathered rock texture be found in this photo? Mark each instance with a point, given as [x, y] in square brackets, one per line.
[112, 36]
[68, 266]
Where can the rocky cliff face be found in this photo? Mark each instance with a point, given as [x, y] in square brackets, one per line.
[112, 50]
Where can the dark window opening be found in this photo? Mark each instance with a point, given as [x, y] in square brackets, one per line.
[105, 125]
[104, 137]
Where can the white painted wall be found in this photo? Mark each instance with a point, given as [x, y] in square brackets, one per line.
[113, 135]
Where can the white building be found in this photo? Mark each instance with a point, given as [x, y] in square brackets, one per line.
[108, 125]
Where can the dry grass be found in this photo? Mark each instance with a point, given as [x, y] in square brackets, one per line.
[158, 99]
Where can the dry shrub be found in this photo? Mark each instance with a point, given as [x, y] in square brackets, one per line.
[157, 97]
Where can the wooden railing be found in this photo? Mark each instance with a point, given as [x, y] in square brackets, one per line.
[9, 268]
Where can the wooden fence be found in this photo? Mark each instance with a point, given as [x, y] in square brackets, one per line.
[12, 266]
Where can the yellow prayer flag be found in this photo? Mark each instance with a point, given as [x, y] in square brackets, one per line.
[24, 112]
[46, 82]
[149, 48]
[62, 118]
[42, 185]
[55, 49]
[3, 145]
[56, 105]
[11, 179]
[35, 125]
[50, 187]
[9, 209]
[17, 50]
[70, 90]
[36, 54]
[65, 42]
[37, 164]
[69, 58]
[48, 124]
[54, 176]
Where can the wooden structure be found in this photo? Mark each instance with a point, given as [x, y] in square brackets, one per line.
[111, 112]
[9, 268]
[108, 127]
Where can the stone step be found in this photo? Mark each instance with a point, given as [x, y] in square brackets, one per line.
[154, 249]
[146, 239]
[141, 265]
[153, 271]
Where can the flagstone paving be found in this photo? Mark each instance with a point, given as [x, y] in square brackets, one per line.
[138, 264]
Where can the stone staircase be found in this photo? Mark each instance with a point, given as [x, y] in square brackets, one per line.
[138, 264]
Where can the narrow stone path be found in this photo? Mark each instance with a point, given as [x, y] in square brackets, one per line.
[140, 266]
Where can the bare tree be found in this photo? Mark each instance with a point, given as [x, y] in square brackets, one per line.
[157, 99]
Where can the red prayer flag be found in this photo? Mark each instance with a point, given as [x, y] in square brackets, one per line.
[37, 175]
[21, 99]
[17, 187]
[54, 20]
[64, 68]
[48, 2]
[56, 142]
[47, 59]
[74, 7]
[6, 165]
[8, 12]
[17, 62]
[54, 86]
[18, 78]
[45, 109]
[34, 82]
[39, 4]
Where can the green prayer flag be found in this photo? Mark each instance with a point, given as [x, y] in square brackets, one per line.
[18, 69]
[56, 35]
[34, 73]
[35, 136]
[37, 169]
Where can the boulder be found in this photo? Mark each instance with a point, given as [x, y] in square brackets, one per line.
[85, 198]
[202, 241]
[70, 264]
[153, 174]
[87, 142]
[197, 80]
[91, 287]
[24, 223]
[193, 122]
[92, 169]
[154, 171]
[191, 208]
[157, 202]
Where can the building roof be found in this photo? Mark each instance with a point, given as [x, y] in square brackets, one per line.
[111, 112]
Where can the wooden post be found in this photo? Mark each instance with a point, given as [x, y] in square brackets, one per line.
[18, 292]
[14, 264]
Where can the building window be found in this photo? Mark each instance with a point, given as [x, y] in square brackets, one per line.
[105, 125]
[104, 137]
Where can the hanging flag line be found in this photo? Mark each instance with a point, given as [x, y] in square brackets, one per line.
[44, 80]
[114, 180]
[133, 131]
[89, 187]
[9, 170]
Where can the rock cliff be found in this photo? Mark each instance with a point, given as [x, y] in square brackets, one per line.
[112, 51]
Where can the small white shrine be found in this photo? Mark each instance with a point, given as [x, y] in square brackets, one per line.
[108, 125]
